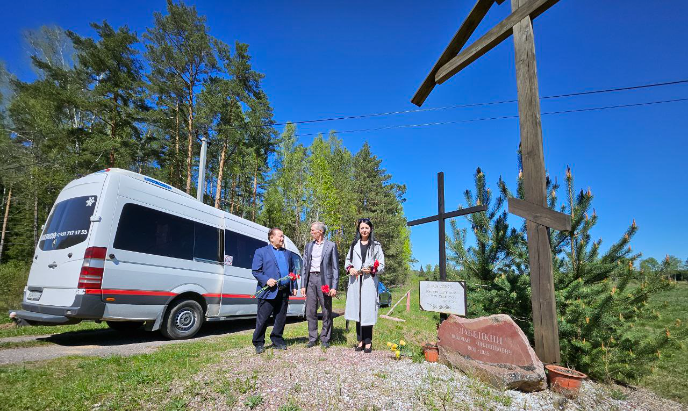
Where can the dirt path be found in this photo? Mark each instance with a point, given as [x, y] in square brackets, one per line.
[107, 342]
[104, 342]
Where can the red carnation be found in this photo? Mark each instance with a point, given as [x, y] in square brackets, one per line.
[325, 289]
[375, 266]
[293, 276]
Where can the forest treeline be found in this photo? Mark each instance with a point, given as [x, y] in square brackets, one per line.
[143, 103]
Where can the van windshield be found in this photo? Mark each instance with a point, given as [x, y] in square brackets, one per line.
[68, 224]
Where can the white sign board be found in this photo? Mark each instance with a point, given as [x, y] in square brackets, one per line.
[443, 297]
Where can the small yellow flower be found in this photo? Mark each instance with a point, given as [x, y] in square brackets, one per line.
[394, 346]
[389, 344]
[587, 320]
[402, 343]
[397, 354]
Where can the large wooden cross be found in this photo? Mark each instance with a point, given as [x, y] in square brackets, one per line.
[534, 208]
[440, 217]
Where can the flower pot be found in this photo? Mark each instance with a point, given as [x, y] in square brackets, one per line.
[564, 380]
[431, 352]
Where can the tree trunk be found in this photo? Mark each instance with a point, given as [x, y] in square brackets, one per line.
[35, 219]
[112, 136]
[174, 164]
[255, 191]
[189, 157]
[220, 173]
[4, 222]
[231, 196]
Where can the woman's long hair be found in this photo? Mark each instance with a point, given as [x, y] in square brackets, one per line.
[371, 238]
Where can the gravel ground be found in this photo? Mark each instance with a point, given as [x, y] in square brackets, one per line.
[342, 379]
[336, 379]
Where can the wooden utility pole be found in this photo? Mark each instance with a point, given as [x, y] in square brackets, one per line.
[534, 207]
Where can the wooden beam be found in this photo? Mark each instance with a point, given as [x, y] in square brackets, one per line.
[442, 237]
[451, 214]
[539, 214]
[496, 35]
[457, 42]
[545, 327]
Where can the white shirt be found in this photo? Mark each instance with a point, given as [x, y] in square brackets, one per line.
[316, 256]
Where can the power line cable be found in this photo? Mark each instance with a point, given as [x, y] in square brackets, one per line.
[490, 103]
[515, 116]
[450, 107]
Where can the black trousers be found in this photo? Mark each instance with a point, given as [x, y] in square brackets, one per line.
[276, 308]
[364, 333]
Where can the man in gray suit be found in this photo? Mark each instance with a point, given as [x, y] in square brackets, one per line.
[320, 268]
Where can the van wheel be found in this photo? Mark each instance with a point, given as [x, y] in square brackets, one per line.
[182, 320]
[125, 326]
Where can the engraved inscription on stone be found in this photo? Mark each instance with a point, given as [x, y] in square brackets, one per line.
[493, 348]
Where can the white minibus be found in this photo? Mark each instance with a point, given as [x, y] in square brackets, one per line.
[132, 251]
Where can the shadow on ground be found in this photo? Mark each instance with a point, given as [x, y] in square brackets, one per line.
[110, 337]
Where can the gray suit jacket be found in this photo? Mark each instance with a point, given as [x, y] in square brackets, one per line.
[329, 266]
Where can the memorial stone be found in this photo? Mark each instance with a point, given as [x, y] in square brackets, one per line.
[493, 349]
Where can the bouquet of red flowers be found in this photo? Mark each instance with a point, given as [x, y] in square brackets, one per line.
[373, 269]
[326, 290]
[291, 276]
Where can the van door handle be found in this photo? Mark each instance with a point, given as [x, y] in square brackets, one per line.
[52, 265]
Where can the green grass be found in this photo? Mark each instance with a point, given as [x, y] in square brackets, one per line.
[120, 383]
[129, 382]
[669, 378]
[114, 382]
[10, 330]
[22, 344]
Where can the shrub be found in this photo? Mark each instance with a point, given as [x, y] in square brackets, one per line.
[13, 276]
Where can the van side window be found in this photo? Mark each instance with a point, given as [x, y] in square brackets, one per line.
[144, 230]
[241, 248]
[297, 262]
[207, 242]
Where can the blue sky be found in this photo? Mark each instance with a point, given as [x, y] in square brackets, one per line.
[324, 59]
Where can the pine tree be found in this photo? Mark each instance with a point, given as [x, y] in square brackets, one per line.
[492, 267]
[375, 197]
[183, 55]
[597, 303]
[287, 199]
[115, 97]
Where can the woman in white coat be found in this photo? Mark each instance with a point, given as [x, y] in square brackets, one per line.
[365, 261]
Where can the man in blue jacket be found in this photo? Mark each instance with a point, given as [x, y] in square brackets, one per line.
[270, 264]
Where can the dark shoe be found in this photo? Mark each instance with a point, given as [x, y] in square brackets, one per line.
[279, 346]
[259, 349]
[368, 350]
[325, 345]
[359, 347]
[311, 344]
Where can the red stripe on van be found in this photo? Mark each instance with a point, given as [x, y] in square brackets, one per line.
[131, 292]
[243, 296]
[228, 295]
